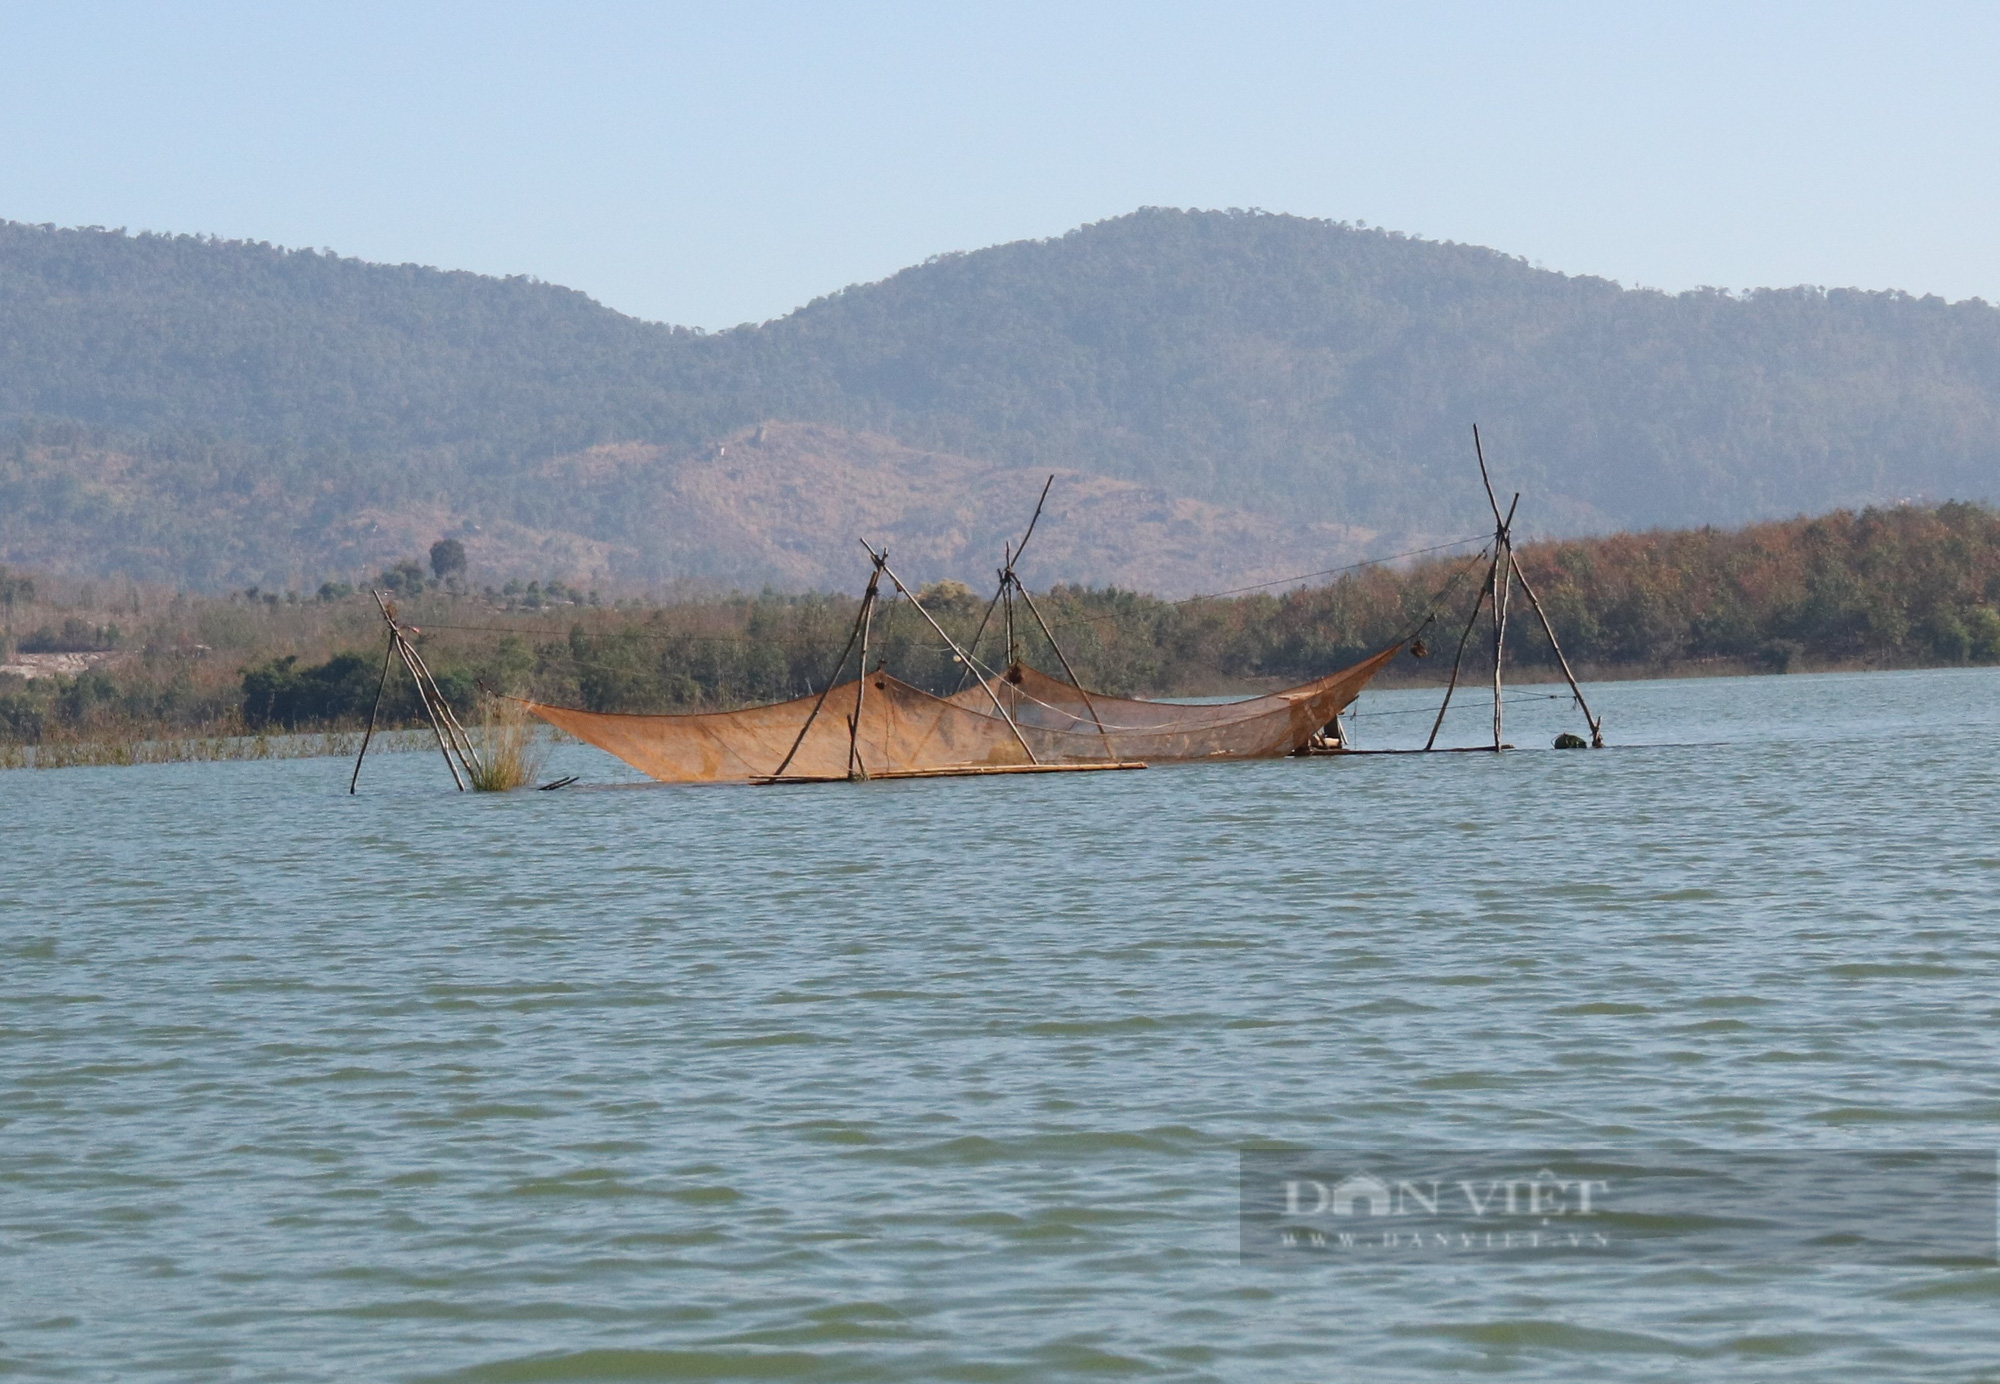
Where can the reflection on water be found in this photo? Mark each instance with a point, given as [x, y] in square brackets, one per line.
[948, 1079]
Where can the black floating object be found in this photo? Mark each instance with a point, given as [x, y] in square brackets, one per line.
[1567, 741]
[566, 782]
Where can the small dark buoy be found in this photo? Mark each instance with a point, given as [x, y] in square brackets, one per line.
[1567, 741]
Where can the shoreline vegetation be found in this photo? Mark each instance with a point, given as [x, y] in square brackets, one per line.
[111, 747]
[109, 672]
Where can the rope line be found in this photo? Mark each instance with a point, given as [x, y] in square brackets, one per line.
[1308, 576]
[564, 634]
[1096, 726]
[1468, 706]
[1281, 581]
[1438, 596]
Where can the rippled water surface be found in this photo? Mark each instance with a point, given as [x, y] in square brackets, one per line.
[947, 1079]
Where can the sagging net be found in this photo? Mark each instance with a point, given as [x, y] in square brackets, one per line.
[902, 730]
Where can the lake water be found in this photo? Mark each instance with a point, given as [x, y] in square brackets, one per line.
[947, 1080]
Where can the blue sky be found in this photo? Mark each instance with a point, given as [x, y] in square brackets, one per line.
[715, 164]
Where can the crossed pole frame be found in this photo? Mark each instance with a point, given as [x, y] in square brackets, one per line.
[1501, 575]
[453, 742]
[1010, 587]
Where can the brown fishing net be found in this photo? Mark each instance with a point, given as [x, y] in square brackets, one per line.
[904, 731]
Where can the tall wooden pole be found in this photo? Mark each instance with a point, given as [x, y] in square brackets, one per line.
[855, 768]
[1069, 672]
[984, 620]
[1001, 592]
[388, 657]
[1503, 577]
[854, 634]
[1479, 452]
[1503, 571]
[1033, 520]
[430, 711]
[1596, 722]
[1007, 584]
[1478, 603]
[461, 739]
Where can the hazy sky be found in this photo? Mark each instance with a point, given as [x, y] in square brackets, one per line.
[722, 163]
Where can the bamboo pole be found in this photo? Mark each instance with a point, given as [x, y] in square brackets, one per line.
[433, 708]
[1503, 583]
[1503, 575]
[1478, 603]
[1596, 723]
[467, 751]
[457, 741]
[1068, 671]
[431, 713]
[980, 632]
[398, 645]
[1007, 585]
[388, 657]
[461, 739]
[1005, 574]
[1033, 520]
[855, 769]
[984, 685]
[1492, 500]
[832, 678]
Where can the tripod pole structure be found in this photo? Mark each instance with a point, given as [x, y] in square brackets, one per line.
[436, 710]
[1500, 579]
[1003, 590]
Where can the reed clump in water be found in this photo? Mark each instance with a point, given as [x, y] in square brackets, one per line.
[509, 753]
[105, 745]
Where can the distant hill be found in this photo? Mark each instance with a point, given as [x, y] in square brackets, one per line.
[783, 503]
[1274, 394]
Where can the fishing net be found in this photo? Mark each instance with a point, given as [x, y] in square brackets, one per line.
[902, 731]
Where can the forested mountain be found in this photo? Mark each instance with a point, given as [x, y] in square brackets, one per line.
[220, 413]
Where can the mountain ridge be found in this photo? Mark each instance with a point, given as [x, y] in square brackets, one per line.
[1292, 372]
